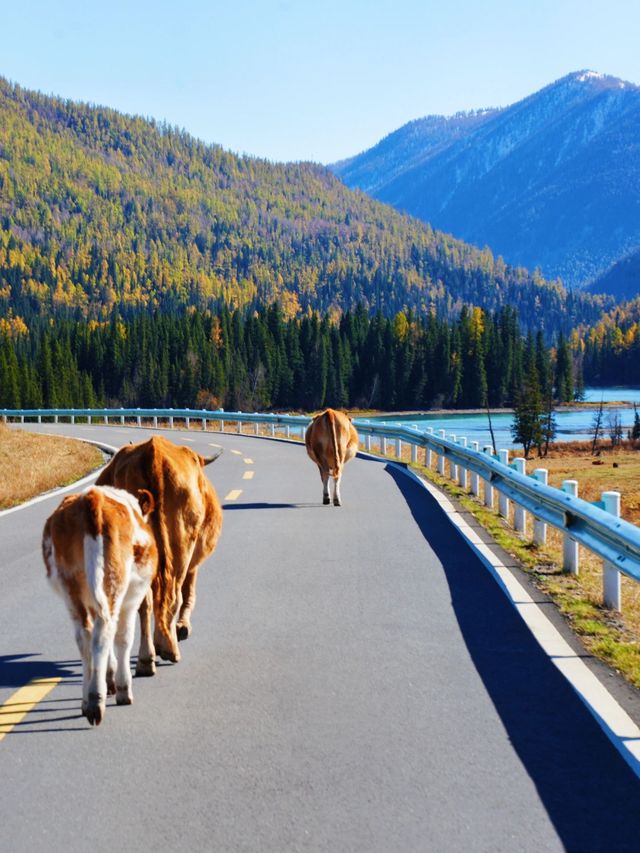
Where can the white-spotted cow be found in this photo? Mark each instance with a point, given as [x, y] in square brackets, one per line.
[101, 556]
[331, 440]
[186, 524]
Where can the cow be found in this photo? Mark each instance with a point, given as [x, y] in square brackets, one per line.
[331, 440]
[100, 555]
[186, 524]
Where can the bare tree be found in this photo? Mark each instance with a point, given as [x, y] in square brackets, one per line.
[597, 425]
[614, 427]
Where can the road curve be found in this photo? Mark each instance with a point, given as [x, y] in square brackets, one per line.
[356, 681]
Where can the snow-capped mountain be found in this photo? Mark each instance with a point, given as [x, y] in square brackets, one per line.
[551, 182]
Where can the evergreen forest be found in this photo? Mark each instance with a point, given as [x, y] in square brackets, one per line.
[259, 360]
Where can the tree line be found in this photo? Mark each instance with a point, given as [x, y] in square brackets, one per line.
[260, 360]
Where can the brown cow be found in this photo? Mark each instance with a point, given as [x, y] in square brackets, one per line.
[331, 440]
[101, 555]
[186, 524]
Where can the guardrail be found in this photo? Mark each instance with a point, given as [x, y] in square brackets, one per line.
[595, 526]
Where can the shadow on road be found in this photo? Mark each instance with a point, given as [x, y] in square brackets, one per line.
[263, 505]
[19, 669]
[589, 792]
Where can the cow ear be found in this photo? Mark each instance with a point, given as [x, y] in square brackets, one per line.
[146, 501]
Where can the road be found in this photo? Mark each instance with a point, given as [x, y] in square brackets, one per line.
[356, 681]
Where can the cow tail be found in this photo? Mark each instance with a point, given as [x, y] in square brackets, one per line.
[334, 441]
[96, 546]
[159, 529]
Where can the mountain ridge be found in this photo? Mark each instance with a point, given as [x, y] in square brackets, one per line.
[540, 181]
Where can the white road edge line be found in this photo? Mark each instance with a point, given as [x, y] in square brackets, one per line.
[623, 733]
[64, 489]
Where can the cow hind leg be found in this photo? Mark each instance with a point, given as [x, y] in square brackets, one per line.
[123, 643]
[146, 663]
[112, 665]
[83, 639]
[326, 499]
[164, 635]
[337, 500]
[183, 626]
[101, 643]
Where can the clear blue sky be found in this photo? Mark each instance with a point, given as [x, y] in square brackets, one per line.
[304, 80]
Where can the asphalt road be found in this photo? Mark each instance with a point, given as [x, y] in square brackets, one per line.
[355, 681]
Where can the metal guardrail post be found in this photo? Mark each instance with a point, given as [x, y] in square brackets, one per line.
[288, 431]
[239, 427]
[398, 448]
[187, 423]
[383, 446]
[256, 428]
[453, 468]
[105, 419]
[442, 433]
[171, 421]
[204, 424]
[488, 488]
[55, 419]
[73, 419]
[475, 478]
[414, 447]
[155, 422]
[122, 420]
[428, 453]
[519, 515]
[570, 560]
[611, 581]
[539, 527]
[139, 420]
[503, 500]
[462, 471]
[273, 429]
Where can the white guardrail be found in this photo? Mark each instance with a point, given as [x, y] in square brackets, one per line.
[597, 526]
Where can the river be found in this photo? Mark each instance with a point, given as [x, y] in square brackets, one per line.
[572, 424]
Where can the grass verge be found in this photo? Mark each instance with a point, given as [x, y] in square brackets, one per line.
[31, 463]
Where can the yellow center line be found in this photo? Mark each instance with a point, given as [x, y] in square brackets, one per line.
[233, 495]
[237, 452]
[248, 461]
[26, 698]
[248, 475]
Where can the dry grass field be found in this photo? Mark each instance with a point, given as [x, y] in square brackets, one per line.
[31, 463]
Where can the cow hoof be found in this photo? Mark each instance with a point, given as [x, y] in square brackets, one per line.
[337, 502]
[95, 709]
[326, 501]
[145, 668]
[124, 697]
[172, 657]
[183, 631]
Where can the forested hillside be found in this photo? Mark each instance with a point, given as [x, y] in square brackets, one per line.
[100, 211]
[610, 350]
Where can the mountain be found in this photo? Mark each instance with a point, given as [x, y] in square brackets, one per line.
[102, 212]
[551, 182]
[621, 280]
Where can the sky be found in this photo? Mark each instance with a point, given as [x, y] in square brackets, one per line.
[309, 79]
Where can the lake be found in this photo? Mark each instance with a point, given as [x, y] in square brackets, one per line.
[572, 424]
